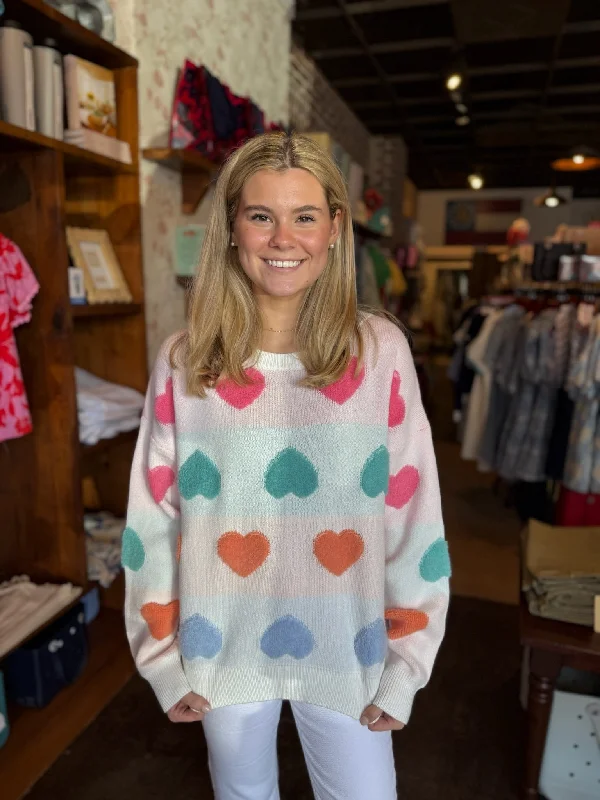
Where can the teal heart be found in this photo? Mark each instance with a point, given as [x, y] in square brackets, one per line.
[133, 554]
[291, 472]
[375, 474]
[435, 563]
[199, 475]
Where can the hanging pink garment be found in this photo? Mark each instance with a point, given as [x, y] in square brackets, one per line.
[18, 286]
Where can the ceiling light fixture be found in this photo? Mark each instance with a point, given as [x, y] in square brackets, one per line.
[550, 199]
[461, 108]
[475, 181]
[453, 81]
[580, 159]
[463, 120]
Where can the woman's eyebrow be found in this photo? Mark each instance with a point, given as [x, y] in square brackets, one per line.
[303, 209]
[267, 210]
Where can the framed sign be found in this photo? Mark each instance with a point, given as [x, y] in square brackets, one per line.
[92, 251]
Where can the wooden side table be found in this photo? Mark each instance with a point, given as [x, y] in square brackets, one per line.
[553, 645]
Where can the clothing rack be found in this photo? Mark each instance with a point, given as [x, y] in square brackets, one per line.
[562, 289]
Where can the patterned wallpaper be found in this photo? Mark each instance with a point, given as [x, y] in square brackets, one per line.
[246, 43]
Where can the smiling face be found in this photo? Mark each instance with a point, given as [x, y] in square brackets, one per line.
[283, 229]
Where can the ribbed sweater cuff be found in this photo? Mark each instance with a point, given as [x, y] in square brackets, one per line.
[168, 680]
[396, 693]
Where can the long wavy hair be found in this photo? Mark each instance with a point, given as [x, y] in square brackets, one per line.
[224, 323]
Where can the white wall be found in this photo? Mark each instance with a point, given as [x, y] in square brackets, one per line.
[431, 210]
[246, 44]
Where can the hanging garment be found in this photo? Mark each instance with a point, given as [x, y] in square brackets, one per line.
[578, 510]
[480, 392]
[583, 455]
[18, 287]
[501, 357]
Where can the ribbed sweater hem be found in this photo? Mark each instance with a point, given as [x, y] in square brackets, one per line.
[348, 692]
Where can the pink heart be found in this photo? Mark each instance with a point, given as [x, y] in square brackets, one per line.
[397, 404]
[160, 480]
[402, 487]
[164, 405]
[242, 396]
[346, 386]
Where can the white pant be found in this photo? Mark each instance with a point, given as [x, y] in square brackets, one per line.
[345, 760]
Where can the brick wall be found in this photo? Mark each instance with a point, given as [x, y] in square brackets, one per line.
[314, 105]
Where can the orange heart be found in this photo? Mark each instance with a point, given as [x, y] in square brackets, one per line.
[162, 619]
[337, 552]
[243, 554]
[404, 621]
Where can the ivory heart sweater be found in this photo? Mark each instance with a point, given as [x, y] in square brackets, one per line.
[287, 542]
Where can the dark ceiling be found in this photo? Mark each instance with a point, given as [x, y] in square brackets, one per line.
[531, 81]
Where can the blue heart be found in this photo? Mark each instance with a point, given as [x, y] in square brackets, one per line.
[291, 472]
[375, 474]
[199, 638]
[199, 475]
[435, 563]
[287, 636]
[370, 643]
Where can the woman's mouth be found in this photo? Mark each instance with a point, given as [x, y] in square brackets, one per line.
[283, 266]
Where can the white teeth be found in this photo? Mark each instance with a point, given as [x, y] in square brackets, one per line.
[282, 264]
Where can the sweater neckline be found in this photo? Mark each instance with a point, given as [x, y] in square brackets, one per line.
[278, 361]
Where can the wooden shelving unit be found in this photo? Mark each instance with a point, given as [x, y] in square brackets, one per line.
[48, 185]
[197, 172]
[39, 736]
[105, 310]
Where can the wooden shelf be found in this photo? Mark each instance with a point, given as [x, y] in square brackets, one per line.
[105, 444]
[38, 736]
[181, 160]
[197, 172]
[41, 20]
[105, 310]
[77, 159]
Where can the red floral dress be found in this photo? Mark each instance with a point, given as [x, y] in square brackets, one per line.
[17, 288]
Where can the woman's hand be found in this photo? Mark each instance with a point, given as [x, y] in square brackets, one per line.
[190, 708]
[378, 720]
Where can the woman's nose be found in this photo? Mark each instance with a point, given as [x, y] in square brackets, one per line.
[282, 237]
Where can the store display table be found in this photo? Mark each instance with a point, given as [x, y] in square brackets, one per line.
[553, 645]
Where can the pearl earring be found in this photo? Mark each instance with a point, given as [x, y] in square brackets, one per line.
[331, 246]
[233, 244]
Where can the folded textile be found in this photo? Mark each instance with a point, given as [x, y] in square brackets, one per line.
[24, 606]
[103, 546]
[564, 599]
[105, 409]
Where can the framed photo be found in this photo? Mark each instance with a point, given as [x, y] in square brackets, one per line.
[92, 251]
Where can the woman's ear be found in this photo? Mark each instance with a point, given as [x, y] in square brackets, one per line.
[336, 224]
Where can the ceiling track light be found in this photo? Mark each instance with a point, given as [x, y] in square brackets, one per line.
[453, 81]
[475, 181]
[463, 120]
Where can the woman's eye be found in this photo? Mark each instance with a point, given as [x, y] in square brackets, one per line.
[306, 218]
[259, 218]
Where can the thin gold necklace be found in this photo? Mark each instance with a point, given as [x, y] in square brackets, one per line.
[285, 330]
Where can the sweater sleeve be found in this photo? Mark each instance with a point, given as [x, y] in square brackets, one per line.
[417, 561]
[151, 545]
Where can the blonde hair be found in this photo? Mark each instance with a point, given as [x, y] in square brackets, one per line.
[224, 324]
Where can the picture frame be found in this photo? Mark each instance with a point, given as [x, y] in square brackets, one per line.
[92, 251]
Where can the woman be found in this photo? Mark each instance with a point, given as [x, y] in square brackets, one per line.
[285, 538]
